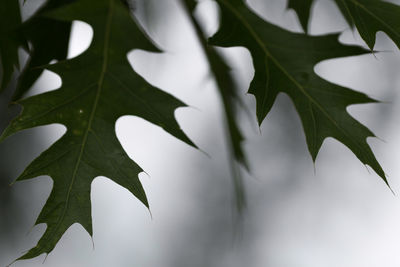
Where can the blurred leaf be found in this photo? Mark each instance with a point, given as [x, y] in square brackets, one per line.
[228, 92]
[98, 87]
[284, 62]
[49, 39]
[10, 20]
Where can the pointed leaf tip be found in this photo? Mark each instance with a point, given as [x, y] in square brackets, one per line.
[98, 87]
[284, 62]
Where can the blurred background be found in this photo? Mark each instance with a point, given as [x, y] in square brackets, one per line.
[336, 213]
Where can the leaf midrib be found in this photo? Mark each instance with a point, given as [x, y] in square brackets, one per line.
[93, 111]
[374, 16]
[260, 43]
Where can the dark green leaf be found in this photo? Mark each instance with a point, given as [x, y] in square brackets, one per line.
[98, 87]
[10, 20]
[302, 8]
[49, 39]
[371, 16]
[284, 62]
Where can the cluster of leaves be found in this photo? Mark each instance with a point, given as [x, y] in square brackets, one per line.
[99, 86]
